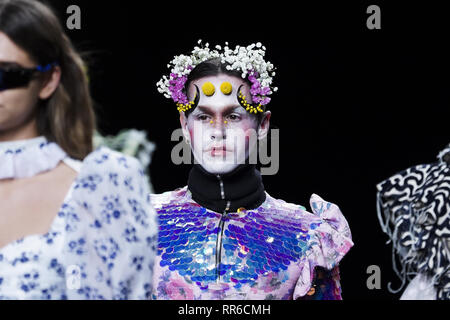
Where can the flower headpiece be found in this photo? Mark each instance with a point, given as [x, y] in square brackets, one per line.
[249, 61]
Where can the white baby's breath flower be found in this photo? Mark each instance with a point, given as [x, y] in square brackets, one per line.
[242, 59]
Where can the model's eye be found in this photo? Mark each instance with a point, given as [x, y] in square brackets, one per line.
[202, 117]
[234, 117]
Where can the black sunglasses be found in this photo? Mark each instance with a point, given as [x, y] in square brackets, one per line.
[18, 77]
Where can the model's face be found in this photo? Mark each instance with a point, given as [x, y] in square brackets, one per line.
[221, 132]
[16, 105]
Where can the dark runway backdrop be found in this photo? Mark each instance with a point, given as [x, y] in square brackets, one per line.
[354, 105]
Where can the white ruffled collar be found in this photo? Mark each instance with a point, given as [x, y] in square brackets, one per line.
[27, 158]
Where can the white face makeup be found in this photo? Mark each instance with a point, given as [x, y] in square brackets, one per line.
[221, 132]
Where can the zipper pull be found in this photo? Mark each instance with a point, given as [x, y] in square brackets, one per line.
[222, 192]
[227, 207]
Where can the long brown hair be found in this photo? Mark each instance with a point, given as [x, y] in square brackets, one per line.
[67, 117]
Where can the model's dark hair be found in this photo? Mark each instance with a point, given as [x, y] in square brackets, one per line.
[213, 67]
[67, 117]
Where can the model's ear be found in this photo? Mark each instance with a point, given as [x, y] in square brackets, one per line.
[50, 83]
[264, 125]
[183, 123]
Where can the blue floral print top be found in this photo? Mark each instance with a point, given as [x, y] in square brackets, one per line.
[101, 244]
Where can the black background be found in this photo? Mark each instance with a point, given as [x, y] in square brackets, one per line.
[354, 105]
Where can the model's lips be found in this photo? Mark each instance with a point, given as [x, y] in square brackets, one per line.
[218, 151]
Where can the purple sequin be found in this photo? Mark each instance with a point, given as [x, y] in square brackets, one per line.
[254, 243]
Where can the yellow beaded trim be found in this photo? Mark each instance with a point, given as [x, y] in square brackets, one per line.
[212, 121]
[185, 107]
[248, 106]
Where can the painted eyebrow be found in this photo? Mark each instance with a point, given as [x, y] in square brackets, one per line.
[208, 110]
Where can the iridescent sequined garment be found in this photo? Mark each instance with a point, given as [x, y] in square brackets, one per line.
[270, 252]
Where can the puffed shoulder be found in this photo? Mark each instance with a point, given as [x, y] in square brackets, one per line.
[106, 166]
[109, 179]
[175, 196]
[104, 160]
[333, 235]
[116, 229]
[330, 240]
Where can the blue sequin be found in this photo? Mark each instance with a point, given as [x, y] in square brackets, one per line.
[249, 249]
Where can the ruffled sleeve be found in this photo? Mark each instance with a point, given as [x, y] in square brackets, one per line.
[111, 243]
[329, 240]
[414, 211]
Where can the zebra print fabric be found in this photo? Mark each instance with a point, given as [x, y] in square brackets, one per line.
[414, 211]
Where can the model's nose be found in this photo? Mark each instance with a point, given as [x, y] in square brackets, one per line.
[218, 131]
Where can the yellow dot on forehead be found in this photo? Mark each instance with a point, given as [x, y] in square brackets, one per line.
[208, 89]
[226, 88]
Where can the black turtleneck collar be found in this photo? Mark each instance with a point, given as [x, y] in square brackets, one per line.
[242, 187]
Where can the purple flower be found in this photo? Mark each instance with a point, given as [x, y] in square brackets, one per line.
[258, 94]
[265, 91]
[176, 85]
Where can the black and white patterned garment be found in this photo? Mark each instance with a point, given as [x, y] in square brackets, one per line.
[414, 210]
